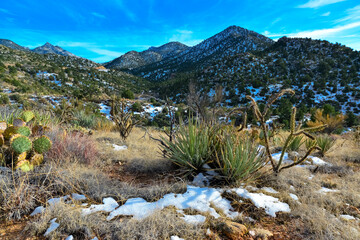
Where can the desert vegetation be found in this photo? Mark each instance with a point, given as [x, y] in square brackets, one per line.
[208, 172]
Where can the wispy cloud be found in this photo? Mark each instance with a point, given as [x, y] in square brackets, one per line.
[131, 15]
[98, 15]
[3, 10]
[106, 52]
[185, 37]
[328, 32]
[352, 14]
[326, 14]
[318, 3]
[276, 20]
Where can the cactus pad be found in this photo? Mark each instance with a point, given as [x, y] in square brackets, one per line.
[21, 157]
[37, 159]
[42, 144]
[9, 132]
[27, 116]
[2, 140]
[20, 144]
[25, 131]
[19, 122]
[3, 127]
[25, 166]
[39, 129]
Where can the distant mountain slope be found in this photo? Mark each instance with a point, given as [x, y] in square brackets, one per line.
[11, 44]
[319, 71]
[53, 74]
[135, 59]
[233, 40]
[48, 48]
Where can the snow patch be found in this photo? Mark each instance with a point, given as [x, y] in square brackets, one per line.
[109, 205]
[53, 225]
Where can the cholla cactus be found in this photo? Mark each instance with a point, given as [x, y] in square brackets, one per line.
[122, 118]
[294, 131]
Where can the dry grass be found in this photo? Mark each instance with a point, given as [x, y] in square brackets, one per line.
[160, 225]
[142, 156]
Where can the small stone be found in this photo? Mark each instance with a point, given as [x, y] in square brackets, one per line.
[233, 230]
[261, 234]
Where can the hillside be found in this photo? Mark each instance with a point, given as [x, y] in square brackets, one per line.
[135, 59]
[26, 72]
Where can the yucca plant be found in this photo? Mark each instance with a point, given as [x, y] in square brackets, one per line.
[191, 148]
[296, 143]
[324, 142]
[239, 160]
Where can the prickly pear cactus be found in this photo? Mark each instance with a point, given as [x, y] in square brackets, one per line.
[27, 116]
[20, 144]
[22, 147]
[25, 131]
[3, 126]
[9, 132]
[42, 144]
[19, 122]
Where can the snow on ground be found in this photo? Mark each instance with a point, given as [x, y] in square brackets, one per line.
[327, 190]
[38, 210]
[119, 148]
[271, 204]
[53, 225]
[194, 219]
[175, 238]
[317, 161]
[269, 190]
[293, 196]
[200, 199]
[109, 205]
[347, 217]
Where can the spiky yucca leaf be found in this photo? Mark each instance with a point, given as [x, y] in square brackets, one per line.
[191, 148]
[325, 142]
[239, 160]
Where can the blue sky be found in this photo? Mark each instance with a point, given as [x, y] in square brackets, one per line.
[102, 30]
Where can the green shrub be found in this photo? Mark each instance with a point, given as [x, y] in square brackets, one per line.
[324, 142]
[127, 94]
[136, 107]
[4, 99]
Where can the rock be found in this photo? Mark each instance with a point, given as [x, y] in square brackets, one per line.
[233, 230]
[212, 236]
[260, 234]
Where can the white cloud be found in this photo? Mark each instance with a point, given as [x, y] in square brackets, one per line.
[98, 15]
[352, 14]
[185, 37]
[326, 14]
[328, 32]
[106, 52]
[318, 3]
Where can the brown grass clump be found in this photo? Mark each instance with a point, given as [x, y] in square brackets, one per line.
[72, 147]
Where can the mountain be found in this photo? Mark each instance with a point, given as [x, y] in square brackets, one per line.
[233, 40]
[49, 48]
[135, 59]
[11, 44]
[319, 71]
